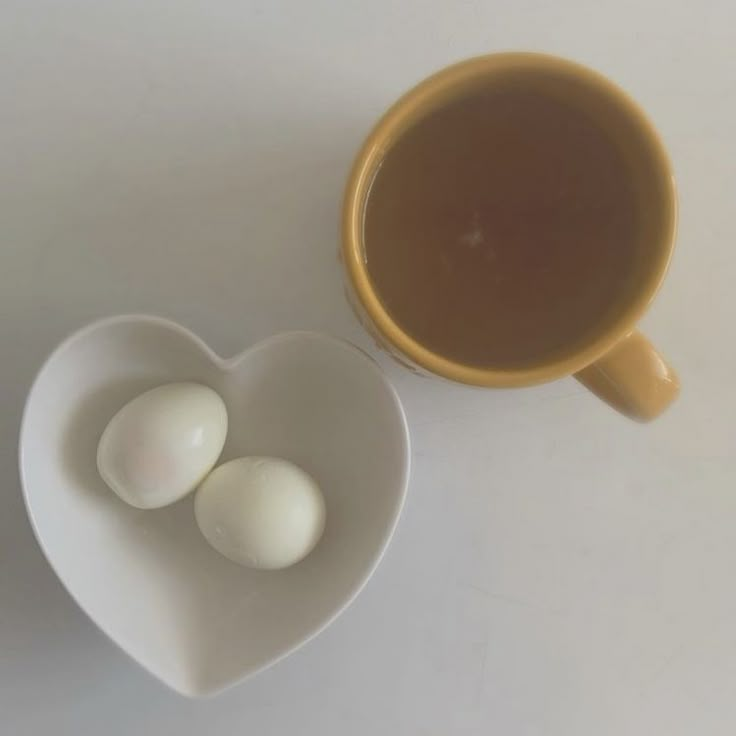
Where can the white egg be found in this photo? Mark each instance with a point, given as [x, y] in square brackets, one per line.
[162, 444]
[261, 512]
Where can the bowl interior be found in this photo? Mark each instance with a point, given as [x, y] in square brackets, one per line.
[148, 578]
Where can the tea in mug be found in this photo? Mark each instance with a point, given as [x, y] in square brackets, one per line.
[502, 226]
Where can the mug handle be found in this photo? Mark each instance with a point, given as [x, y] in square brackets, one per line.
[633, 378]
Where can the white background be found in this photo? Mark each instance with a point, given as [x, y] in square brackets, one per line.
[558, 571]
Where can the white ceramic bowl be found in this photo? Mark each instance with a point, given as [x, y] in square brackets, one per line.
[149, 579]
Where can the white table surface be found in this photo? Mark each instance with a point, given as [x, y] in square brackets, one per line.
[558, 571]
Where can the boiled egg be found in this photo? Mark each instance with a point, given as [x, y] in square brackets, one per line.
[261, 512]
[161, 445]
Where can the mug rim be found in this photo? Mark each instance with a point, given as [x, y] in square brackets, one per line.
[403, 112]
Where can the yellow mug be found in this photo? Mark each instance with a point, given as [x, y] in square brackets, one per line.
[616, 362]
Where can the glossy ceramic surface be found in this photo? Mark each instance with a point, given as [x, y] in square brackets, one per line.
[149, 579]
[625, 388]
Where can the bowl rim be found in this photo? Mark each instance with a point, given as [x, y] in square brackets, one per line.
[225, 365]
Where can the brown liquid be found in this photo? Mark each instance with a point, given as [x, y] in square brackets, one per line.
[501, 228]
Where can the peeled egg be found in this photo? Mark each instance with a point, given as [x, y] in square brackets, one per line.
[161, 444]
[261, 512]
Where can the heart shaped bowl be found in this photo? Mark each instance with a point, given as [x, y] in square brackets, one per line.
[149, 579]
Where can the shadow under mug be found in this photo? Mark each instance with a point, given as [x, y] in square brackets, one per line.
[616, 361]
